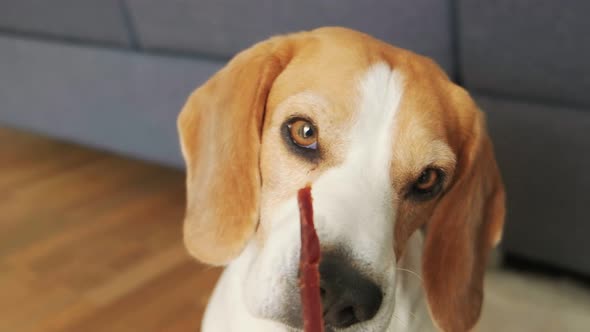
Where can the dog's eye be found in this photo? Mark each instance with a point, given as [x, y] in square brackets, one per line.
[303, 133]
[428, 184]
[427, 179]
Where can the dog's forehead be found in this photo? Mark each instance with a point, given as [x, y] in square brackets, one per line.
[332, 61]
[329, 66]
[325, 66]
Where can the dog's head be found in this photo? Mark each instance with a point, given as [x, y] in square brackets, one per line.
[391, 147]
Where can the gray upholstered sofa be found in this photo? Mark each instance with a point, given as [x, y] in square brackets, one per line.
[114, 73]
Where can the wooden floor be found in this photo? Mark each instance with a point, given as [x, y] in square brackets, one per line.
[90, 241]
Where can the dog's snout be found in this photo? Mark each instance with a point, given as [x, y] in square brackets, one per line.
[348, 297]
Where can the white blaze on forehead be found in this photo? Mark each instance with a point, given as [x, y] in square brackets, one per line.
[354, 201]
[380, 94]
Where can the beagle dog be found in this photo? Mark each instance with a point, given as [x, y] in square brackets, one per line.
[408, 198]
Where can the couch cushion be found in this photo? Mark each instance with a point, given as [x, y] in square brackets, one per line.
[543, 155]
[121, 101]
[536, 49]
[95, 20]
[223, 27]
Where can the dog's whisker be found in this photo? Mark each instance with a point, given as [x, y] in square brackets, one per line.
[411, 272]
[400, 320]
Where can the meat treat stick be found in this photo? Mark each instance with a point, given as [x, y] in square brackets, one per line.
[309, 275]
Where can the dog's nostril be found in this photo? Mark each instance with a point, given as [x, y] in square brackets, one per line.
[347, 296]
[341, 314]
[346, 316]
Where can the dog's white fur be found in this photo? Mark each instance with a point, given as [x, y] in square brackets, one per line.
[354, 207]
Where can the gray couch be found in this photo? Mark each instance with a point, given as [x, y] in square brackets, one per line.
[114, 73]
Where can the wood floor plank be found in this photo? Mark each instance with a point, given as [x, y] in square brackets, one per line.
[62, 318]
[136, 275]
[150, 307]
[91, 241]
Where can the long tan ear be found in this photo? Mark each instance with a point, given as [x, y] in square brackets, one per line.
[220, 132]
[465, 226]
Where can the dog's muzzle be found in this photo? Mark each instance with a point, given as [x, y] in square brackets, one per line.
[348, 297]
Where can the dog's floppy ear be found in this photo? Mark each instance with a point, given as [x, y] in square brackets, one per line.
[220, 131]
[466, 224]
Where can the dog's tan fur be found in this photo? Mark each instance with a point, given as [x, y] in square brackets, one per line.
[438, 124]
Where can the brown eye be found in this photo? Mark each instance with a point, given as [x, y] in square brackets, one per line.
[304, 134]
[428, 184]
[427, 180]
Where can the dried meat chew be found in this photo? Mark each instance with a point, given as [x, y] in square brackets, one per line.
[309, 275]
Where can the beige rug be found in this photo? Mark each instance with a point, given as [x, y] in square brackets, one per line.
[523, 302]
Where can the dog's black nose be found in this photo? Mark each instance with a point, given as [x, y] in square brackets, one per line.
[347, 296]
